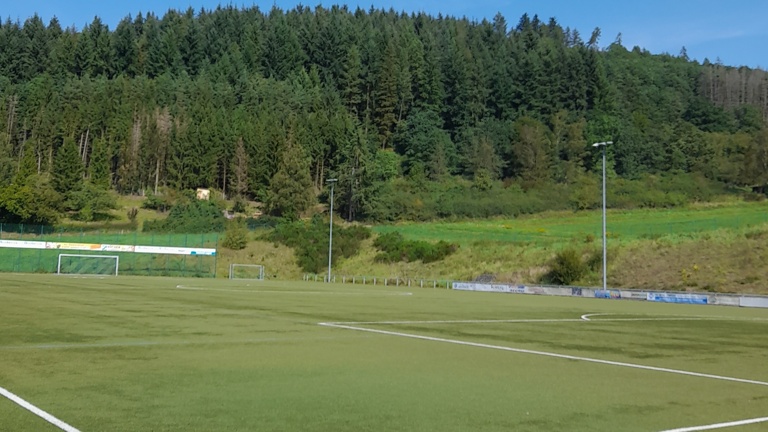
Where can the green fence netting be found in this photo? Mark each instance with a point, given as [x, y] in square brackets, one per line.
[38, 260]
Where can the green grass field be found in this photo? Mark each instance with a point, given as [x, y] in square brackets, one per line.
[548, 228]
[152, 354]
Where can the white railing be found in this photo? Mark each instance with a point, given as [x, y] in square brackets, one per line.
[722, 299]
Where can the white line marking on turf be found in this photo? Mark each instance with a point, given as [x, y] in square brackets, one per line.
[361, 293]
[720, 425]
[37, 411]
[546, 354]
[534, 320]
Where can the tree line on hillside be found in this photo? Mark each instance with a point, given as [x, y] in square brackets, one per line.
[398, 107]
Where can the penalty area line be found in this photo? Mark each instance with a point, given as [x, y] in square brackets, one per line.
[37, 411]
[547, 354]
[719, 425]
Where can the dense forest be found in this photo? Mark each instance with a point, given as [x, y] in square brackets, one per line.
[417, 116]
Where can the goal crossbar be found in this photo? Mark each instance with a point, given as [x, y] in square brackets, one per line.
[76, 256]
[246, 271]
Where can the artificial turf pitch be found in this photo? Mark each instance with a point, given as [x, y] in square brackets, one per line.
[158, 354]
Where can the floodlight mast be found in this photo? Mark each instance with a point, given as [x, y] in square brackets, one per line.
[604, 144]
[331, 182]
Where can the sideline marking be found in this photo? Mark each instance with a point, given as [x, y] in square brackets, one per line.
[361, 293]
[546, 354]
[719, 425]
[536, 320]
[37, 411]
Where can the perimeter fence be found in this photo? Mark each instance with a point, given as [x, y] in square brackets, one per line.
[36, 248]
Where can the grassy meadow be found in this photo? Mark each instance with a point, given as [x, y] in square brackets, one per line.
[163, 354]
[718, 248]
[558, 227]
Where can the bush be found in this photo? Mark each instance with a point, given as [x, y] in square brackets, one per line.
[90, 203]
[240, 205]
[310, 241]
[236, 235]
[157, 202]
[263, 221]
[395, 248]
[133, 214]
[193, 216]
[566, 268]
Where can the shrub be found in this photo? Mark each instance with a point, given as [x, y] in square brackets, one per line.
[310, 241]
[395, 248]
[263, 221]
[595, 260]
[754, 197]
[566, 268]
[133, 214]
[240, 205]
[157, 202]
[236, 235]
[192, 216]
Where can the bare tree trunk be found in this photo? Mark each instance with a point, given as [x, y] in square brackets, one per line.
[224, 181]
[157, 174]
[13, 101]
[85, 153]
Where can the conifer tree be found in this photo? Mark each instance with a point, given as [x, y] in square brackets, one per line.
[291, 191]
[67, 167]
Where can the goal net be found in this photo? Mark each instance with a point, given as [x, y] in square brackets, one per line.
[74, 264]
[246, 271]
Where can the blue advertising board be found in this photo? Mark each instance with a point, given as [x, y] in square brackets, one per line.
[608, 294]
[678, 298]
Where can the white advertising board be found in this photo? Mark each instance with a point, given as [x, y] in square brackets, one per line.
[22, 244]
[758, 302]
[166, 250]
[470, 286]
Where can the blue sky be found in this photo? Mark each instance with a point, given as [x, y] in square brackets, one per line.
[734, 31]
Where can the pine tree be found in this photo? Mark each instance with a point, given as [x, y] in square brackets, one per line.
[239, 178]
[350, 81]
[98, 169]
[291, 192]
[67, 167]
[386, 95]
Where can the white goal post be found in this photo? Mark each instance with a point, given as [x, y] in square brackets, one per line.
[246, 271]
[76, 264]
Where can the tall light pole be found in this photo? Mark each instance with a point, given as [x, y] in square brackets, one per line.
[330, 231]
[604, 144]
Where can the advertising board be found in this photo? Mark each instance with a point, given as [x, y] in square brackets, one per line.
[471, 286]
[677, 298]
[759, 302]
[608, 294]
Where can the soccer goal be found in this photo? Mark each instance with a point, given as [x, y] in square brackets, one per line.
[246, 271]
[74, 264]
